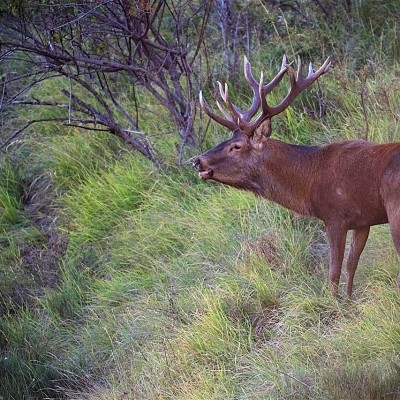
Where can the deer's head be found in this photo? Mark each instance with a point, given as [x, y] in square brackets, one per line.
[235, 161]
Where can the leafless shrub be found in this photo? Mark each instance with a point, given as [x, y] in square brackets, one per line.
[103, 46]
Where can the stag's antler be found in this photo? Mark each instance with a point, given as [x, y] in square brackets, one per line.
[239, 119]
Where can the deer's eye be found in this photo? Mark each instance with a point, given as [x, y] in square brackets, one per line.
[235, 147]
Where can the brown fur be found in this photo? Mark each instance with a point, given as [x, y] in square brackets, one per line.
[349, 185]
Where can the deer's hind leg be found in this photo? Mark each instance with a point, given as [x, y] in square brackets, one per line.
[358, 241]
[393, 213]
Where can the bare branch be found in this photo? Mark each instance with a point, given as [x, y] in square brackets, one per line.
[82, 16]
[36, 102]
[89, 128]
[27, 125]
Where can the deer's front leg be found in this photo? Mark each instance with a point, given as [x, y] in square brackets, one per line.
[337, 242]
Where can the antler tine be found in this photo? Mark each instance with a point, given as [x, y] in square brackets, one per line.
[284, 61]
[246, 116]
[221, 90]
[324, 67]
[228, 123]
[299, 75]
[264, 106]
[298, 84]
[310, 69]
[248, 73]
[275, 81]
[223, 111]
[292, 75]
[225, 97]
[312, 76]
[235, 114]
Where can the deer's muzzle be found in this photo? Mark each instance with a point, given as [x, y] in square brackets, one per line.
[204, 173]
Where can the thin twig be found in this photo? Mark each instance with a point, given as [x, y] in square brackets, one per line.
[3, 92]
[89, 128]
[27, 125]
[82, 16]
[36, 102]
[70, 100]
[296, 379]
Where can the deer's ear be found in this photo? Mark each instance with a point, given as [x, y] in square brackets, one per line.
[263, 131]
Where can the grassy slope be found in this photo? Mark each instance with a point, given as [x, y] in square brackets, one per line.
[172, 288]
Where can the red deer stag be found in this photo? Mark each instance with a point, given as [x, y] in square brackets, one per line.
[349, 185]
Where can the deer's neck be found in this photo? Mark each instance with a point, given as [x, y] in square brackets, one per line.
[287, 175]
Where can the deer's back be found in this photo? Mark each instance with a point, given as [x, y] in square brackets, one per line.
[353, 179]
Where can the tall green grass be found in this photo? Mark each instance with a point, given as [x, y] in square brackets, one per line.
[11, 192]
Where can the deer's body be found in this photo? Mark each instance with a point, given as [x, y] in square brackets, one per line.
[349, 185]
[347, 179]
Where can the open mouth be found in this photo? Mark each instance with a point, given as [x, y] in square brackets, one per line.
[207, 174]
[203, 173]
